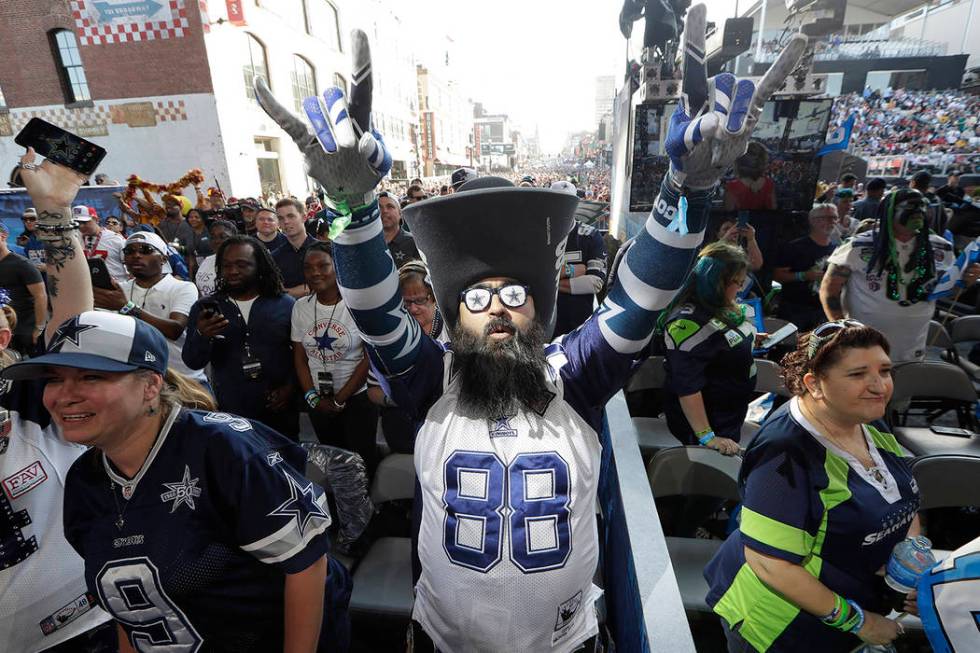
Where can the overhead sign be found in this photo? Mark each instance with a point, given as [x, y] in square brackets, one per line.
[487, 149]
[124, 21]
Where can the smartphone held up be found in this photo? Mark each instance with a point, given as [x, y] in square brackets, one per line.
[61, 146]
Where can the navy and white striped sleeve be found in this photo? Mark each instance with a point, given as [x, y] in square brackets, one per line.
[369, 285]
[652, 271]
[594, 254]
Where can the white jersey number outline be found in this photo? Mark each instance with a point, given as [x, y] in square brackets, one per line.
[535, 487]
[131, 591]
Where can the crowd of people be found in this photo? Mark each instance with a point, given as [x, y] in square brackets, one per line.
[179, 346]
[923, 124]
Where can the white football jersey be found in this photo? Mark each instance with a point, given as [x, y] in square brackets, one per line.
[43, 598]
[508, 541]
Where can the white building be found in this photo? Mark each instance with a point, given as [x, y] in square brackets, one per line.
[605, 96]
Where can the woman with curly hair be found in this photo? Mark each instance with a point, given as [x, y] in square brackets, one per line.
[826, 496]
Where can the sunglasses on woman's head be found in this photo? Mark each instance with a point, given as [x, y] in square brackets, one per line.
[825, 332]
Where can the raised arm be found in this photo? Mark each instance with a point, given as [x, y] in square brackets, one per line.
[53, 188]
[349, 158]
[710, 128]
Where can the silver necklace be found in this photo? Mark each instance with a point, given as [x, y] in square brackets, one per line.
[873, 469]
[120, 522]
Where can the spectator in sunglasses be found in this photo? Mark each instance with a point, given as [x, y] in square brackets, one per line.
[153, 296]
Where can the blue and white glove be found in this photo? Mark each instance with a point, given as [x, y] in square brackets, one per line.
[714, 120]
[343, 152]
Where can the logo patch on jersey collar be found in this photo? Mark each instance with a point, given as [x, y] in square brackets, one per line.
[301, 505]
[273, 458]
[501, 428]
[182, 492]
[21, 482]
[733, 337]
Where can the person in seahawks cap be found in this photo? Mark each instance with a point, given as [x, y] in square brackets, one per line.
[497, 403]
[462, 175]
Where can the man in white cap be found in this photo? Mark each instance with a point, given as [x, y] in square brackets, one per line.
[152, 295]
[100, 243]
[28, 239]
[507, 452]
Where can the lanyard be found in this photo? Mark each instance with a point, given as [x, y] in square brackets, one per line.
[248, 350]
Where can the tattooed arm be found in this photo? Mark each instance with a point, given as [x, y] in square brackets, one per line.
[831, 288]
[53, 189]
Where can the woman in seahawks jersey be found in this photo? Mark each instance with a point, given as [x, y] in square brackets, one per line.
[44, 605]
[709, 341]
[826, 496]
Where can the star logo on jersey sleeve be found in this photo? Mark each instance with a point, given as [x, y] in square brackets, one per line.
[182, 492]
[301, 505]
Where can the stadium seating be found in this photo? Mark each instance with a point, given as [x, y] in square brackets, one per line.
[652, 433]
[383, 579]
[930, 389]
[685, 471]
[939, 344]
[768, 378]
[947, 480]
[966, 334]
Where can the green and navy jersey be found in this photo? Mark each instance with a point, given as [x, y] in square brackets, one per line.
[808, 502]
[706, 355]
[192, 553]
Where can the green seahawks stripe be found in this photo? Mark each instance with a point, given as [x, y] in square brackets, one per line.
[763, 613]
[886, 442]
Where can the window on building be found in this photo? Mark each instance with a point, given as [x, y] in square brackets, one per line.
[70, 66]
[3, 100]
[304, 81]
[255, 64]
[340, 82]
[324, 22]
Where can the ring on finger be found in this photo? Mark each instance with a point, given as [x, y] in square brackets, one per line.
[29, 166]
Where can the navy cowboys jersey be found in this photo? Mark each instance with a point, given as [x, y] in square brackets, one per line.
[190, 554]
[585, 247]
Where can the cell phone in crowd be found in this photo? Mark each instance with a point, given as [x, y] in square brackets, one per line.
[778, 336]
[950, 430]
[62, 147]
[209, 308]
[100, 273]
[742, 220]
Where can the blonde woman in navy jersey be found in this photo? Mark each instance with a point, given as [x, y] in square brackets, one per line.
[826, 497]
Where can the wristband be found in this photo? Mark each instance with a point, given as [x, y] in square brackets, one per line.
[312, 398]
[838, 614]
[801, 276]
[337, 404]
[569, 270]
[127, 309]
[855, 619]
[705, 437]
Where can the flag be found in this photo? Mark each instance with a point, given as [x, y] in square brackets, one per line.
[953, 278]
[840, 138]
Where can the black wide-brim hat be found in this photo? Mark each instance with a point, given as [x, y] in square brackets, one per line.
[490, 228]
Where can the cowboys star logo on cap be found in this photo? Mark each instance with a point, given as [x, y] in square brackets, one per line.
[70, 332]
[99, 341]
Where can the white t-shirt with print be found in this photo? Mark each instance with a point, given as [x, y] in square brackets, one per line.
[206, 278]
[333, 344]
[169, 295]
[866, 294]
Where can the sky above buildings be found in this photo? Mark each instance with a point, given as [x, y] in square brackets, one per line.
[535, 60]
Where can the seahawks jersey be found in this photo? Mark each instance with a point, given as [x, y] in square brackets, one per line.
[949, 601]
[707, 355]
[190, 554]
[43, 599]
[808, 502]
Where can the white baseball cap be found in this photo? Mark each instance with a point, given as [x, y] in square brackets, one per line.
[148, 238]
[81, 213]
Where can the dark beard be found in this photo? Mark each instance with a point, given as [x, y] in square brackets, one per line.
[497, 377]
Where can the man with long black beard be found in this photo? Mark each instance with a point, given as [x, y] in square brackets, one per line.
[507, 453]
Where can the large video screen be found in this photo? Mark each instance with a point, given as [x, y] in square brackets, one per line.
[779, 172]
